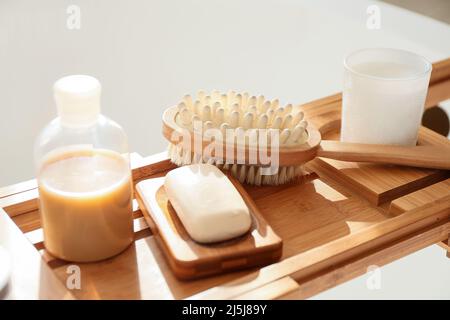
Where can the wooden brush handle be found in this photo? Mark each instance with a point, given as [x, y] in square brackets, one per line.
[419, 156]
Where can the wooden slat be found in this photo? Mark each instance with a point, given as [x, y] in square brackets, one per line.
[324, 114]
[439, 83]
[28, 221]
[437, 93]
[379, 184]
[440, 72]
[425, 196]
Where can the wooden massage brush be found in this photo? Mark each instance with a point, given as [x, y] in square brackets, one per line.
[298, 142]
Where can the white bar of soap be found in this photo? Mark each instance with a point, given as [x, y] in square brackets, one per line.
[207, 203]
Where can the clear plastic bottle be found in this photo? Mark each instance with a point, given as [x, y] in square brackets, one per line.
[84, 176]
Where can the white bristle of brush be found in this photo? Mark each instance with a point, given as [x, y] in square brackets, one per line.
[241, 112]
[249, 174]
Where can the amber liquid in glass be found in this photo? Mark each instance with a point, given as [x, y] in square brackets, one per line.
[85, 199]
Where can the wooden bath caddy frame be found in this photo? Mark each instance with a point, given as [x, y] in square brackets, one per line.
[342, 218]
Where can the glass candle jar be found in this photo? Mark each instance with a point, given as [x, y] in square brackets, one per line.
[383, 96]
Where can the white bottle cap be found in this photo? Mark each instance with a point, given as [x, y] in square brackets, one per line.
[77, 99]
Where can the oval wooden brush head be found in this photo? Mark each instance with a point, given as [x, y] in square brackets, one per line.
[295, 141]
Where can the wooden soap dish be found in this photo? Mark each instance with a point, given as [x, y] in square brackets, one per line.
[189, 259]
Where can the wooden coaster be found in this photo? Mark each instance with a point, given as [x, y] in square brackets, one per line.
[189, 259]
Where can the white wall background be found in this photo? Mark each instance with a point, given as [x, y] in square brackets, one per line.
[148, 54]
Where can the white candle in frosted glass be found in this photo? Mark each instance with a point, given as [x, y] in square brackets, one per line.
[383, 96]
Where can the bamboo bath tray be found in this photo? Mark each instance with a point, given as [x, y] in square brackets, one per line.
[341, 219]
